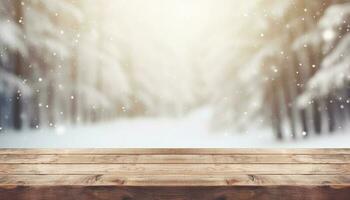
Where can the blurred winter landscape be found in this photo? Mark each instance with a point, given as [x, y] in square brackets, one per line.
[191, 131]
[169, 73]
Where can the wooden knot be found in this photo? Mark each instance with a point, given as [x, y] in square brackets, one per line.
[251, 177]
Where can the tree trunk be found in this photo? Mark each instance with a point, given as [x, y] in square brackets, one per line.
[17, 97]
[330, 117]
[276, 115]
[287, 93]
[316, 117]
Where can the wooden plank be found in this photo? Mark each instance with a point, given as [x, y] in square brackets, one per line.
[174, 180]
[172, 159]
[176, 169]
[175, 193]
[182, 151]
[186, 174]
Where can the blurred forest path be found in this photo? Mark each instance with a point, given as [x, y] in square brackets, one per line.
[190, 131]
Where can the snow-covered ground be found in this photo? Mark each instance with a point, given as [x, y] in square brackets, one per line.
[191, 131]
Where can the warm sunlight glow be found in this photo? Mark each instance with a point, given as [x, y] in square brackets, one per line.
[169, 69]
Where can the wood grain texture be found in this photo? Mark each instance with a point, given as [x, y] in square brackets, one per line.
[181, 151]
[175, 169]
[179, 174]
[175, 193]
[173, 159]
[175, 180]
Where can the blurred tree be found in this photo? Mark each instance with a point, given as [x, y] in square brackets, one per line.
[294, 67]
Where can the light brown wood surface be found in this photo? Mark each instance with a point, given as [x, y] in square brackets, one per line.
[183, 172]
[182, 151]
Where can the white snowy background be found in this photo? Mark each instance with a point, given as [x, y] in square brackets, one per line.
[191, 131]
[171, 73]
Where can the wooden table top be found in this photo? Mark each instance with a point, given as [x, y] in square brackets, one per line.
[175, 167]
[174, 174]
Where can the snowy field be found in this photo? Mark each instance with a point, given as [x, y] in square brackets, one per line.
[191, 131]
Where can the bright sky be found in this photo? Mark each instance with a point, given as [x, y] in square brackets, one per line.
[175, 23]
[171, 42]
